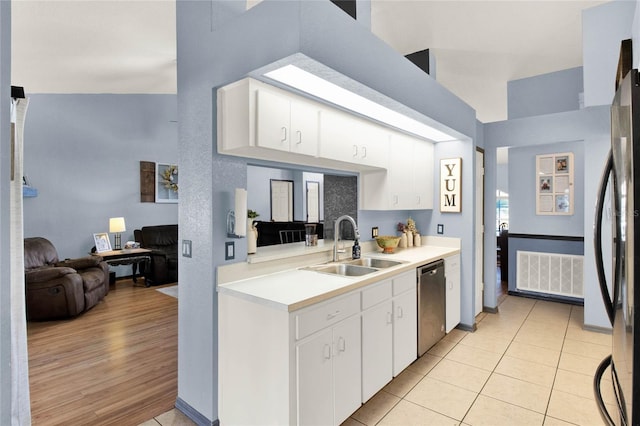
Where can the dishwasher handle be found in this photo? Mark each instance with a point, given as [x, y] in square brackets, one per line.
[431, 268]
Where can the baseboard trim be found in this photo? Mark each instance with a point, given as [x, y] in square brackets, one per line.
[598, 329]
[466, 327]
[490, 310]
[194, 414]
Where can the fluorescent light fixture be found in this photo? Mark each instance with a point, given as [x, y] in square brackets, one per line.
[323, 89]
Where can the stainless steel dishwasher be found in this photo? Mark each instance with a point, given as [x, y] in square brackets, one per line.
[431, 305]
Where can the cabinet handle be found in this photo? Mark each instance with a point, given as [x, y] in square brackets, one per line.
[400, 313]
[364, 152]
[299, 133]
[284, 134]
[341, 344]
[355, 150]
[331, 316]
[326, 352]
[389, 317]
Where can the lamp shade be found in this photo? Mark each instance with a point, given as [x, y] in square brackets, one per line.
[116, 224]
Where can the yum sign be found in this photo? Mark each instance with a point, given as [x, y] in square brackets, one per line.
[450, 185]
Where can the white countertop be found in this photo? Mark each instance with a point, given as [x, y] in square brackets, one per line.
[295, 288]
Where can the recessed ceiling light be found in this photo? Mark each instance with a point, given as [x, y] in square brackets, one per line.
[309, 83]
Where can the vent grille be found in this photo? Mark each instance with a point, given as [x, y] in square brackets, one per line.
[553, 273]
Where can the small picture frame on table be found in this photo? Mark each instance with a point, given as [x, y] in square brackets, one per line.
[103, 244]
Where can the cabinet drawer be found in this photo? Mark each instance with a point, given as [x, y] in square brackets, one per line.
[452, 264]
[376, 293]
[404, 282]
[327, 314]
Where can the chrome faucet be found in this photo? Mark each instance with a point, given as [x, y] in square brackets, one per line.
[336, 233]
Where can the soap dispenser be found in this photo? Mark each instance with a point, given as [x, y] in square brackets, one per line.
[355, 250]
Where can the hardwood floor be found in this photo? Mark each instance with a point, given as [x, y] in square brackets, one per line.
[113, 365]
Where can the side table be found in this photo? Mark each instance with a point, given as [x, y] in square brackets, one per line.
[132, 257]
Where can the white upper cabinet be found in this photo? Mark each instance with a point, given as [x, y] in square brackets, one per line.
[257, 120]
[408, 183]
[285, 124]
[350, 139]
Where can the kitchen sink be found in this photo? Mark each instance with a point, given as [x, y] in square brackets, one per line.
[372, 262]
[343, 269]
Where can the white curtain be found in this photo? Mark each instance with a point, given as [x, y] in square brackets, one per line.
[20, 398]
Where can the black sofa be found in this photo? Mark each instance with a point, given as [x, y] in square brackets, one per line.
[163, 241]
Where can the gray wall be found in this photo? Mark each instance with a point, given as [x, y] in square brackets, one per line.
[544, 94]
[214, 50]
[340, 198]
[603, 28]
[6, 343]
[83, 153]
[259, 188]
[589, 125]
[522, 196]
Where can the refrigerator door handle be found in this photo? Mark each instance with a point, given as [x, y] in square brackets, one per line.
[597, 241]
[606, 418]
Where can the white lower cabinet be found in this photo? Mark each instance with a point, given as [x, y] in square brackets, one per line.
[405, 330]
[329, 375]
[377, 354]
[389, 331]
[316, 365]
[452, 277]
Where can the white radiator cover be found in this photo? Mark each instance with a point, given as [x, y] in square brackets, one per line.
[551, 273]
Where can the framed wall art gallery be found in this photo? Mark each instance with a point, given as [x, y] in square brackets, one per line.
[554, 184]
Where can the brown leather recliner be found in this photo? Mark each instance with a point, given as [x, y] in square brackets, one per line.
[61, 289]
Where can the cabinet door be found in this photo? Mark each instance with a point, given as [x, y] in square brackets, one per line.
[423, 175]
[304, 128]
[315, 380]
[400, 185]
[377, 353]
[273, 121]
[405, 330]
[452, 277]
[347, 370]
[353, 140]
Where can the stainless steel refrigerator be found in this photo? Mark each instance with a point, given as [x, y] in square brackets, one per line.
[621, 173]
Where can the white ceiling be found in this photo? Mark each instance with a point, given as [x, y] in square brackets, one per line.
[113, 46]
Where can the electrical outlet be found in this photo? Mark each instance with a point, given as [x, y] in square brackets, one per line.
[229, 250]
[374, 232]
[186, 248]
[440, 229]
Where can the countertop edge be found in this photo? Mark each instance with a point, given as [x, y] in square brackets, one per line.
[350, 283]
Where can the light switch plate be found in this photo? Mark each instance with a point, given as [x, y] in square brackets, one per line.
[374, 232]
[440, 229]
[229, 250]
[186, 248]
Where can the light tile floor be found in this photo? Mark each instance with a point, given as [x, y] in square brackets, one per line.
[530, 364]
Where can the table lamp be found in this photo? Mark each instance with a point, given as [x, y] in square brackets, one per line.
[116, 226]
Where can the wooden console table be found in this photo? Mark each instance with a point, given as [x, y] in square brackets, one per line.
[132, 257]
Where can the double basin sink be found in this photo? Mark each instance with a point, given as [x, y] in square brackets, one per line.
[354, 268]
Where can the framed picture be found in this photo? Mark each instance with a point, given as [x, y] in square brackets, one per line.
[554, 188]
[451, 185]
[102, 242]
[166, 183]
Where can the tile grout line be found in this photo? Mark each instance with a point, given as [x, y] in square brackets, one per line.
[494, 368]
